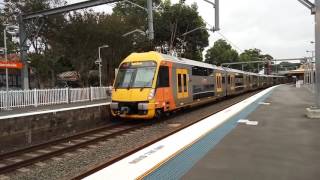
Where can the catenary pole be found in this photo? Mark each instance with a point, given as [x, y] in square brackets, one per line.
[150, 19]
[317, 49]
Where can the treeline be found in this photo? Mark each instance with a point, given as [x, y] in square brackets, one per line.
[69, 42]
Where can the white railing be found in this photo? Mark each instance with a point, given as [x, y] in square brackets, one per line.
[43, 97]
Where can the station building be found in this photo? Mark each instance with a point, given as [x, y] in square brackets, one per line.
[14, 68]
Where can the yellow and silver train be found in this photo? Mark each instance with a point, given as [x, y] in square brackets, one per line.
[150, 84]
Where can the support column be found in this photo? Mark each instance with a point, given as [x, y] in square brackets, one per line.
[150, 20]
[23, 54]
[317, 49]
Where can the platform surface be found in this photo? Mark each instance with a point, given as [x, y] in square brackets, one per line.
[284, 145]
[48, 108]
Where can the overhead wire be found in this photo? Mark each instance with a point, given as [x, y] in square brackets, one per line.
[224, 37]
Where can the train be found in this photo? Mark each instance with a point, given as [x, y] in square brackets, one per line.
[151, 84]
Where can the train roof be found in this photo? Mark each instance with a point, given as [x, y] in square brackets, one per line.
[165, 57]
[190, 62]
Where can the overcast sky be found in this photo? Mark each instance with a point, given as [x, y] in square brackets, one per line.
[282, 28]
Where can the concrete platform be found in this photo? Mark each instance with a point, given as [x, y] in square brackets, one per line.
[18, 112]
[284, 145]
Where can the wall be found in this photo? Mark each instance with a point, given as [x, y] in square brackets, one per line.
[19, 132]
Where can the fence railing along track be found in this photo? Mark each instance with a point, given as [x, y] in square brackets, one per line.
[45, 97]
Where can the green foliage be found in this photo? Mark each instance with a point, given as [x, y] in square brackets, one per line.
[220, 53]
[172, 21]
[253, 55]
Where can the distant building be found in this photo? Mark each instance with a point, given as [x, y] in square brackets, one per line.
[14, 71]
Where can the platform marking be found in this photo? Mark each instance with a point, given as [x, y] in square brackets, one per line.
[264, 103]
[52, 111]
[248, 122]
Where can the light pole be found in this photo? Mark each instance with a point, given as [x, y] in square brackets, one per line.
[99, 62]
[11, 30]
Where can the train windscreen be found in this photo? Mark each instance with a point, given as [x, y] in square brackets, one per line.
[136, 75]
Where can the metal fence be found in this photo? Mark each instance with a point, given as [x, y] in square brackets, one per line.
[43, 97]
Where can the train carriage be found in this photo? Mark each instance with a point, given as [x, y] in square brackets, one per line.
[151, 84]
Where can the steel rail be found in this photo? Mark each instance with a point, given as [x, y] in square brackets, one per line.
[45, 156]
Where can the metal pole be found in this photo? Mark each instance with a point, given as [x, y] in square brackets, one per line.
[217, 15]
[150, 20]
[23, 54]
[317, 49]
[7, 71]
[100, 81]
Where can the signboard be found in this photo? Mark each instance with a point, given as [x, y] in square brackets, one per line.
[11, 65]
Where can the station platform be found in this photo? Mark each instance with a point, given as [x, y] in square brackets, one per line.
[266, 136]
[284, 145]
[27, 111]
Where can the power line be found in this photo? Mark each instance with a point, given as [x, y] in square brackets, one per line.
[224, 37]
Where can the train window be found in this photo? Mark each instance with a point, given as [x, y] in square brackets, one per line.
[210, 72]
[196, 71]
[185, 82]
[179, 83]
[223, 80]
[200, 71]
[163, 76]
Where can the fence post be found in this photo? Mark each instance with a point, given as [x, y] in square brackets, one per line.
[91, 93]
[35, 97]
[67, 95]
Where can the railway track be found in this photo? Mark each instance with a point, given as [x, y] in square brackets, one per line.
[18, 159]
[98, 167]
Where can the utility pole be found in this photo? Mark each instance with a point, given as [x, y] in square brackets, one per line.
[314, 112]
[6, 59]
[23, 54]
[317, 48]
[150, 20]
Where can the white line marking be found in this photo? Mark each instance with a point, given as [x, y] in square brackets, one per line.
[248, 122]
[52, 111]
[252, 123]
[264, 103]
[243, 121]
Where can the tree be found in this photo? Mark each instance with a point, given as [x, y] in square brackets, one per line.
[175, 20]
[170, 22]
[253, 55]
[220, 53]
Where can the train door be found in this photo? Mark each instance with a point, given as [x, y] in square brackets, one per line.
[219, 82]
[182, 83]
[232, 79]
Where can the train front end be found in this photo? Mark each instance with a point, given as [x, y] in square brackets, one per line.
[133, 93]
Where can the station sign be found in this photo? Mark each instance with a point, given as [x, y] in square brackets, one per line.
[10, 65]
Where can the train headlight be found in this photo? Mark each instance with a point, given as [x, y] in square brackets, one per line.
[114, 105]
[143, 106]
[151, 94]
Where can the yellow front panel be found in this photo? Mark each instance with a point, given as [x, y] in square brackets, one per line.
[131, 95]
